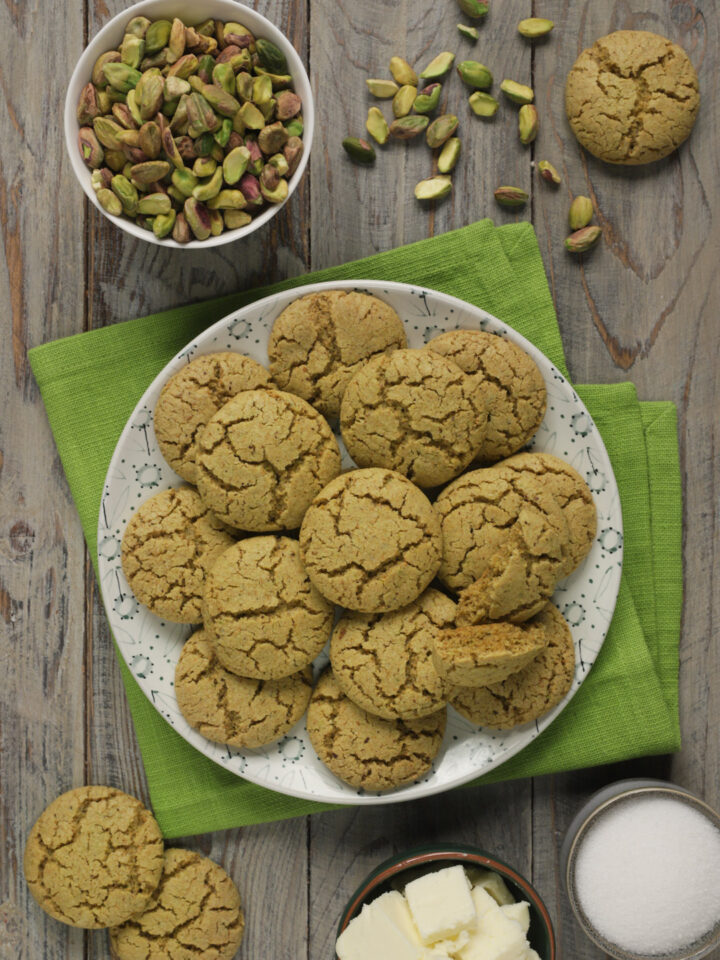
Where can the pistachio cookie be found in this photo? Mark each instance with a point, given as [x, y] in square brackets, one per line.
[168, 547]
[94, 857]
[196, 912]
[262, 458]
[416, 412]
[384, 662]
[371, 541]
[513, 386]
[321, 340]
[530, 693]
[364, 750]
[239, 711]
[475, 656]
[632, 97]
[265, 617]
[192, 396]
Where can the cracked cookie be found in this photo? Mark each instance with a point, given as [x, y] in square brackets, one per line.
[416, 412]
[513, 386]
[196, 912]
[371, 541]
[475, 656]
[168, 547]
[239, 711]
[367, 751]
[384, 663]
[265, 617]
[192, 396]
[632, 97]
[262, 458]
[321, 340]
[533, 501]
[531, 692]
[94, 857]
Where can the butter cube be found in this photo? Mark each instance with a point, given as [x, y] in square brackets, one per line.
[373, 934]
[520, 913]
[441, 904]
[497, 936]
[493, 883]
[394, 905]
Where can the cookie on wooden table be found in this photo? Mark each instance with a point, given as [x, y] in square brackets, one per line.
[94, 857]
[365, 750]
[321, 340]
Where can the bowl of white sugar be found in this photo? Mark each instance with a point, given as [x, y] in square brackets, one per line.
[641, 864]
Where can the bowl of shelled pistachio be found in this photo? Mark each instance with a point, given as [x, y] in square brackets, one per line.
[189, 123]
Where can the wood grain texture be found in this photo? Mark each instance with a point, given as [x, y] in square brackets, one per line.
[641, 306]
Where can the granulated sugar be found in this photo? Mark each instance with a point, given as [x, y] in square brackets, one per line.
[647, 875]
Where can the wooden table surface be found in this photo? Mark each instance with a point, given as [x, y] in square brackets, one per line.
[643, 306]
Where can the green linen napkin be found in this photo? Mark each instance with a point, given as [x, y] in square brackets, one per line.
[627, 707]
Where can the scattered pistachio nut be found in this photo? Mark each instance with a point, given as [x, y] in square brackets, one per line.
[511, 197]
[403, 100]
[528, 123]
[433, 188]
[583, 239]
[438, 66]
[470, 33]
[441, 130]
[475, 74]
[402, 72]
[517, 92]
[581, 213]
[405, 128]
[382, 89]
[376, 125]
[482, 104]
[428, 98]
[473, 8]
[449, 155]
[548, 172]
[534, 27]
[359, 150]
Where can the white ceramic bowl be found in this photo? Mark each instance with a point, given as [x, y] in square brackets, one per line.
[190, 11]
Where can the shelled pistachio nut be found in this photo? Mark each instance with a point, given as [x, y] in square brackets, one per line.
[405, 128]
[181, 231]
[228, 200]
[132, 50]
[583, 239]
[154, 203]
[287, 105]
[534, 27]
[121, 77]
[204, 166]
[449, 155]
[126, 193]
[548, 172]
[209, 187]
[293, 151]
[402, 72]
[403, 100]
[438, 66]
[517, 92]
[157, 35]
[270, 56]
[236, 218]
[235, 164]
[528, 123]
[581, 213]
[277, 194]
[511, 197]
[163, 224]
[441, 130]
[88, 105]
[150, 171]
[428, 98]
[109, 202]
[433, 188]
[382, 89]
[376, 125]
[198, 218]
[359, 150]
[107, 130]
[475, 74]
[470, 33]
[101, 178]
[473, 8]
[482, 104]
[90, 150]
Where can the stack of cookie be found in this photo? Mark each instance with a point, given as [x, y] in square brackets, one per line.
[371, 541]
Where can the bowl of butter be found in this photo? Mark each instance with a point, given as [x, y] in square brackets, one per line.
[440, 902]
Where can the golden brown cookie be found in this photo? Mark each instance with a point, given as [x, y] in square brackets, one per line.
[321, 340]
[416, 412]
[364, 750]
[632, 97]
[534, 499]
[371, 541]
[513, 386]
[475, 656]
[168, 547]
[529, 694]
[94, 857]
[384, 662]
[239, 711]
[196, 912]
[195, 394]
[265, 617]
[262, 458]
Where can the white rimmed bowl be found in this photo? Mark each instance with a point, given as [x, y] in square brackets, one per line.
[190, 11]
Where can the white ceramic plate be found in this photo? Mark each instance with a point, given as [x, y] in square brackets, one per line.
[151, 646]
